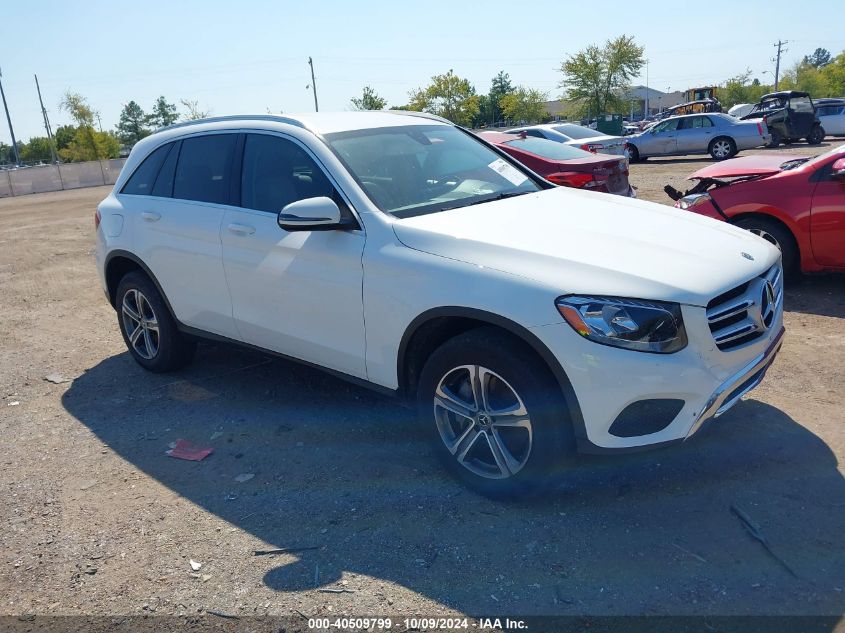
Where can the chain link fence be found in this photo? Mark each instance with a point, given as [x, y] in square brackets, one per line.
[19, 182]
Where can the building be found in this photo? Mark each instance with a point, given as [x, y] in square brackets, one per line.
[658, 101]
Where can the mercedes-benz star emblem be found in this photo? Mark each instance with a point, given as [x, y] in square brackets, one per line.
[767, 305]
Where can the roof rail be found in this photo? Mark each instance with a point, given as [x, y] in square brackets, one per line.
[422, 115]
[236, 117]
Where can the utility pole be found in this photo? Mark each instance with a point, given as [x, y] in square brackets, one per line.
[780, 48]
[9, 120]
[646, 91]
[47, 124]
[99, 122]
[313, 85]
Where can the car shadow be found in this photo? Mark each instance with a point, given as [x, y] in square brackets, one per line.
[823, 295]
[349, 472]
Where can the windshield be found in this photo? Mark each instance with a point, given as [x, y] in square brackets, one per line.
[418, 169]
[576, 131]
[548, 149]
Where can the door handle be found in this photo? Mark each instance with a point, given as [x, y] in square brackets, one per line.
[149, 216]
[241, 229]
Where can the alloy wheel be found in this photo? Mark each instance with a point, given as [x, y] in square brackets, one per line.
[483, 422]
[140, 324]
[721, 149]
[766, 236]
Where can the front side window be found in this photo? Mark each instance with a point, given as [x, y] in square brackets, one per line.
[276, 172]
[204, 168]
[417, 169]
[667, 126]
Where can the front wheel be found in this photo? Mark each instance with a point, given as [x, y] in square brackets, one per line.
[632, 153]
[495, 414]
[148, 330]
[816, 135]
[722, 148]
[776, 139]
[776, 234]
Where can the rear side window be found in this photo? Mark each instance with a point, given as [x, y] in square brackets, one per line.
[276, 172]
[204, 168]
[801, 104]
[163, 186]
[141, 182]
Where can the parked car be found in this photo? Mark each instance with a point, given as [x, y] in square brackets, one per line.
[525, 321]
[566, 165]
[796, 203]
[831, 113]
[719, 135]
[740, 110]
[790, 116]
[575, 135]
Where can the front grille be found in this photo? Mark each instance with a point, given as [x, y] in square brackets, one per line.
[745, 313]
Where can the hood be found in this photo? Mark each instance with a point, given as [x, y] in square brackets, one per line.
[757, 165]
[584, 242]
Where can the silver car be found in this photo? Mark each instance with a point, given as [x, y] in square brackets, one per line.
[719, 135]
[576, 136]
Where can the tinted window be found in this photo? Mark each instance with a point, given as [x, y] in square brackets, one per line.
[576, 131]
[141, 182]
[163, 186]
[203, 168]
[548, 149]
[277, 172]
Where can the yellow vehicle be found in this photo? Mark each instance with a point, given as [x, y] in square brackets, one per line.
[700, 94]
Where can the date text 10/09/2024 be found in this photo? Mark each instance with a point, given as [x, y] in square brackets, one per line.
[424, 624]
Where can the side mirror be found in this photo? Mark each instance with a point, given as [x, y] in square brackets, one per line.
[311, 214]
[838, 169]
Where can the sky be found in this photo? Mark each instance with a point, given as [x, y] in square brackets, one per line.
[251, 57]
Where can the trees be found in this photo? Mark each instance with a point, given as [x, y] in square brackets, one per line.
[83, 146]
[741, 89]
[37, 150]
[500, 86]
[524, 105]
[194, 113]
[163, 113]
[132, 126]
[596, 77]
[819, 57]
[448, 96]
[369, 100]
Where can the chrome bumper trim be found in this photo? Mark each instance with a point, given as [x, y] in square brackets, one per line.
[725, 397]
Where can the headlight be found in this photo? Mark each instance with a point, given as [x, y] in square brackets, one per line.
[644, 326]
[693, 199]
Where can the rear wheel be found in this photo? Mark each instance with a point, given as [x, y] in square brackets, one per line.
[495, 414]
[776, 234]
[776, 139]
[722, 148]
[633, 153]
[148, 330]
[816, 135]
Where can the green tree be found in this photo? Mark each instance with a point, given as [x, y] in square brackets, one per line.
[448, 96]
[741, 89]
[84, 144]
[524, 105]
[596, 77]
[369, 100]
[193, 110]
[38, 149]
[806, 77]
[132, 126]
[163, 113]
[63, 136]
[820, 57]
[500, 86]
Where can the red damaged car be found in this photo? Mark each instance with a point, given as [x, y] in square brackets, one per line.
[796, 203]
[566, 165]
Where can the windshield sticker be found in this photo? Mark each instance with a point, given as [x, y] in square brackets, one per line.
[508, 172]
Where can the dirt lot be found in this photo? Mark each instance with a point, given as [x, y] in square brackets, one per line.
[96, 519]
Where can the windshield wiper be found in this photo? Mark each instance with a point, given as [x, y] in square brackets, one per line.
[501, 196]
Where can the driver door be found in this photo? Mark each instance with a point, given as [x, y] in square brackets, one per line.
[664, 138]
[827, 219]
[297, 293]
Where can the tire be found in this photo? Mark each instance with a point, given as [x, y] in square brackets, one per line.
[633, 154]
[479, 448]
[722, 148]
[776, 139]
[816, 135]
[777, 234]
[148, 329]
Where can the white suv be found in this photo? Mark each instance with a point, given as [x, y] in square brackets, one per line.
[526, 321]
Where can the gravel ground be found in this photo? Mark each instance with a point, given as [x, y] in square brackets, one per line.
[96, 519]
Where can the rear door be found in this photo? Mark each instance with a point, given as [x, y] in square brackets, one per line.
[694, 134]
[177, 229]
[827, 219]
[297, 293]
